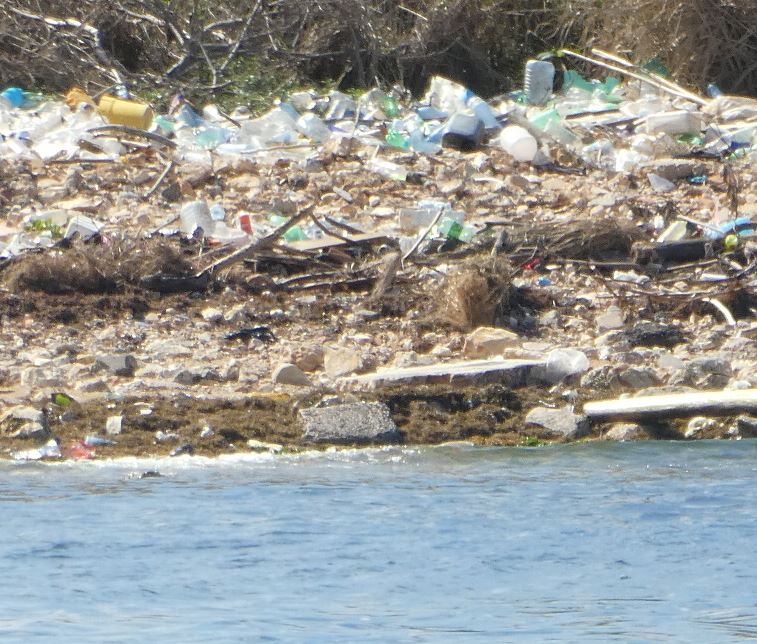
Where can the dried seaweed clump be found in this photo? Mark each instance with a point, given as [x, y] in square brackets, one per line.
[476, 294]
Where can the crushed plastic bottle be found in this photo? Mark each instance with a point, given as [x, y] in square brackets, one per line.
[453, 229]
[295, 233]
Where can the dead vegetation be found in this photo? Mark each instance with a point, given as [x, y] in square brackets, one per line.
[203, 47]
[97, 268]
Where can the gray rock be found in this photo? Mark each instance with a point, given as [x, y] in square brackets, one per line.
[21, 414]
[612, 319]
[747, 426]
[638, 378]
[602, 378]
[559, 421]
[289, 374]
[673, 169]
[31, 429]
[697, 425]
[708, 373]
[120, 364]
[624, 432]
[196, 376]
[350, 423]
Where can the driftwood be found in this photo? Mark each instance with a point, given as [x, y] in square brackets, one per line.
[713, 403]
[258, 244]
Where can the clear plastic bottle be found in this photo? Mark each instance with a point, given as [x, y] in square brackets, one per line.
[539, 78]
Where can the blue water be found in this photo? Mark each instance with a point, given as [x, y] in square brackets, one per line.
[644, 542]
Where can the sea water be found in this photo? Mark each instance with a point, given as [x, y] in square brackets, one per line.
[638, 542]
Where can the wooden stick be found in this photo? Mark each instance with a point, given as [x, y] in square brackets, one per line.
[264, 242]
[420, 239]
[652, 80]
[160, 179]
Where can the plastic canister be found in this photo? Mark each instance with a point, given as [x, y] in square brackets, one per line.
[676, 122]
[463, 132]
[483, 110]
[539, 78]
[120, 111]
[518, 143]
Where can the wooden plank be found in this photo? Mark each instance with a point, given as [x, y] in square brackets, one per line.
[712, 403]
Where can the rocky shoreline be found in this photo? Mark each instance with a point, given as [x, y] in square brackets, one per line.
[142, 340]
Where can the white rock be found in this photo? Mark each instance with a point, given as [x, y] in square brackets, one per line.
[288, 374]
[697, 425]
[211, 314]
[612, 319]
[341, 361]
[485, 342]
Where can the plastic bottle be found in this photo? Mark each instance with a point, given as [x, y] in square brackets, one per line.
[453, 229]
[397, 139]
[313, 127]
[14, 95]
[211, 136]
[388, 169]
[483, 111]
[295, 233]
[539, 78]
[518, 143]
[389, 107]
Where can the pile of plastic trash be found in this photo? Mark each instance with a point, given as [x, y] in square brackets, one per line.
[648, 118]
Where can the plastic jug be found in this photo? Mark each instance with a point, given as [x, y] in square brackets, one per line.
[518, 143]
[539, 78]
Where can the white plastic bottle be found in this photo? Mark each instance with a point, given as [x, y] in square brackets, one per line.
[518, 143]
[539, 78]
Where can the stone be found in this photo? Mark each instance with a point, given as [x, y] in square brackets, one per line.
[651, 334]
[341, 361]
[113, 425]
[260, 446]
[707, 373]
[20, 415]
[612, 319]
[624, 432]
[196, 376]
[485, 342]
[562, 421]
[638, 378]
[211, 314]
[31, 429]
[602, 378]
[673, 169]
[308, 357]
[120, 364]
[747, 426]
[289, 374]
[697, 425]
[351, 423]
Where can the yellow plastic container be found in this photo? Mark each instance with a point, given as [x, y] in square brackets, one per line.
[119, 111]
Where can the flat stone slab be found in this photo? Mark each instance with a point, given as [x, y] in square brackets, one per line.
[512, 373]
[350, 423]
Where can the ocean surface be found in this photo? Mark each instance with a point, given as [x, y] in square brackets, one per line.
[637, 542]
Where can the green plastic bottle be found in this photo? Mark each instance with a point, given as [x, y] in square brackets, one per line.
[295, 233]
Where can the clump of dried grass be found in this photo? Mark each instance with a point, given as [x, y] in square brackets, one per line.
[598, 240]
[96, 268]
[700, 41]
[476, 294]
